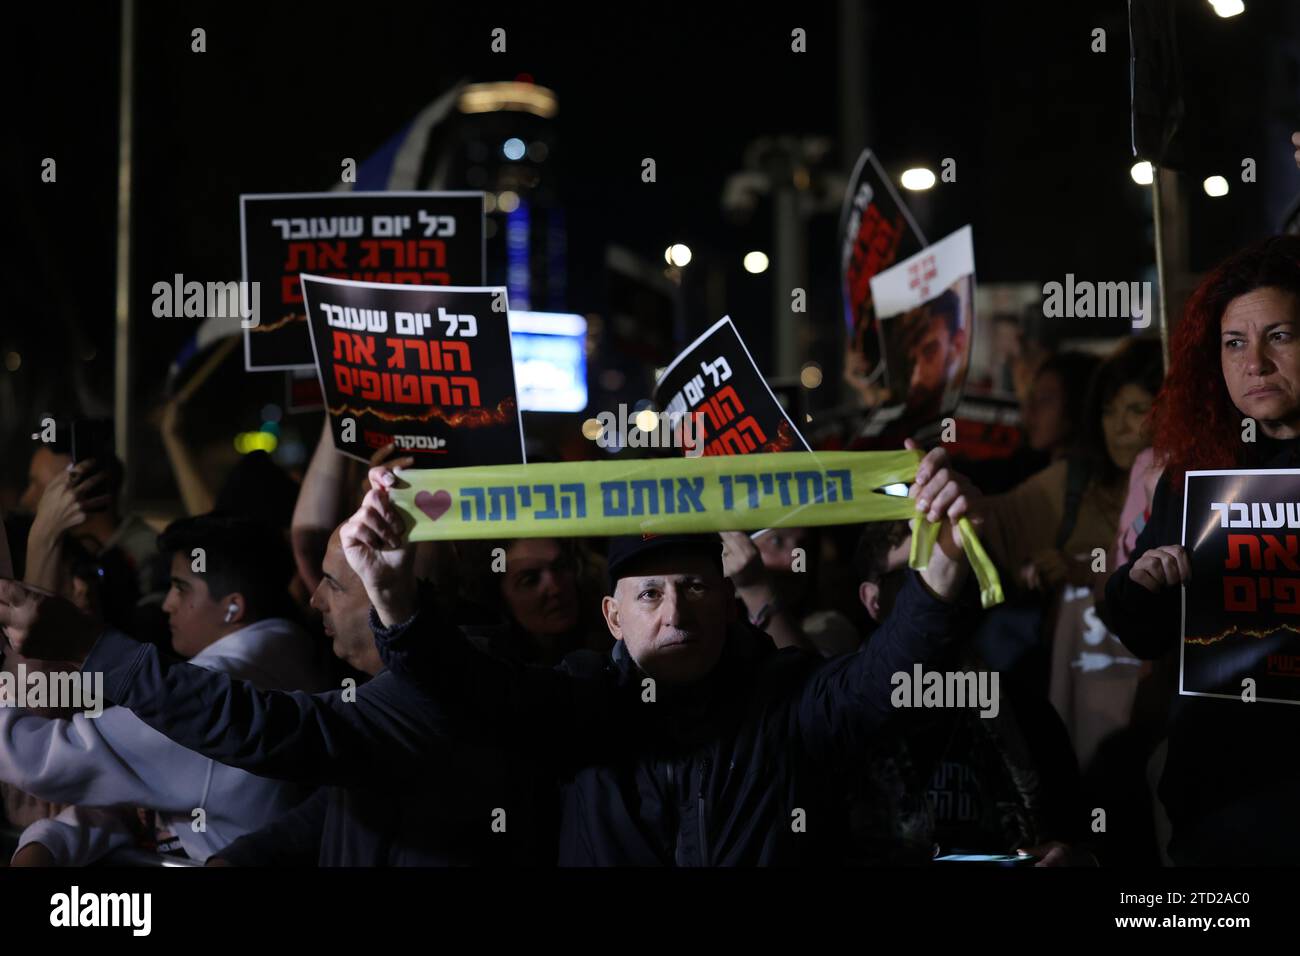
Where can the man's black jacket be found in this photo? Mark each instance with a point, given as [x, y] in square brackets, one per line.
[732, 770]
[391, 792]
[715, 774]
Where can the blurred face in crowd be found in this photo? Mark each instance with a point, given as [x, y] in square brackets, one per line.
[777, 548]
[85, 584]
[540, 586]
[83, 596]
[1122, 423]
[45, 466]
[1006, 342]
[345, 610]
[1044, 414]
[195, 616]
[672, 611]
[1024, 369]
[1260, 341]
[878, 596]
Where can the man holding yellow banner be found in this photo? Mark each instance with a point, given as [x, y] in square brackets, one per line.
[692, 742]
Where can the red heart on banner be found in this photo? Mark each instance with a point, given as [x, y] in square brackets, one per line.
[434, 505]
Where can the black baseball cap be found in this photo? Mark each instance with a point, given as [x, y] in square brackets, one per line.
[625, 549]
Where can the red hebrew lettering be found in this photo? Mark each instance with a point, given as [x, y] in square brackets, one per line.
[1238, 541]
[451, 350]
[364, 346]
[435, 246]
[1275, 553]
[728, 394]
[343, 346]
[333, 255]
[1286, 594]
[406, 389]
[1239, 594]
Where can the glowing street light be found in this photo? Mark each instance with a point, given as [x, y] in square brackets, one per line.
[678, 255]
[1228, 8]
[917, 179]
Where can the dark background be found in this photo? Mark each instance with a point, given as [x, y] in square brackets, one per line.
[1038, 124]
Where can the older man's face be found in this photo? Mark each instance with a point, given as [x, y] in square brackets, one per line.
[672, 612]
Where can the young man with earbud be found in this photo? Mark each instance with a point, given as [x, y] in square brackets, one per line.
[228, 590]
[202, 606]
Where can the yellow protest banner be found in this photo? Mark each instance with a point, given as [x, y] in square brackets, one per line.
[673, 495]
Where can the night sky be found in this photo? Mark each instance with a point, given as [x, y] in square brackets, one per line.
[1039, 126]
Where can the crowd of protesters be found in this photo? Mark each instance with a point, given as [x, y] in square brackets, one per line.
[319, 692]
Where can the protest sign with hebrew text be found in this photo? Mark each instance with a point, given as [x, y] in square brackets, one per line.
[412, 238]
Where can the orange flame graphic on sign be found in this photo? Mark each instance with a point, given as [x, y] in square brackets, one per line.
[455, 418]
[1235, 631]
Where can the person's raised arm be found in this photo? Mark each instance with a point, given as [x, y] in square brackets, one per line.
[100, 760]
[376, 732]
[68, 499]
[198, 497]
[846, 699]
[474, 695]
[324, 499]
[743, 563]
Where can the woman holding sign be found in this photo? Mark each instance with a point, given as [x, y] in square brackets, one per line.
[1231, 400]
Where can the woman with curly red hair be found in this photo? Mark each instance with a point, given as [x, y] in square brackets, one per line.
[1230, 786]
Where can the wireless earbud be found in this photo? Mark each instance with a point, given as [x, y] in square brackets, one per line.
[231, 610]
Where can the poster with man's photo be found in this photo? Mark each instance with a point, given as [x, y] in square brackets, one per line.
[715, 379]
[925, 307]
[1241, 611]
[428, 369]
[407, 238]
[876, 230]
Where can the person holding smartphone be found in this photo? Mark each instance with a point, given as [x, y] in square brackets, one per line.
[74, 489]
